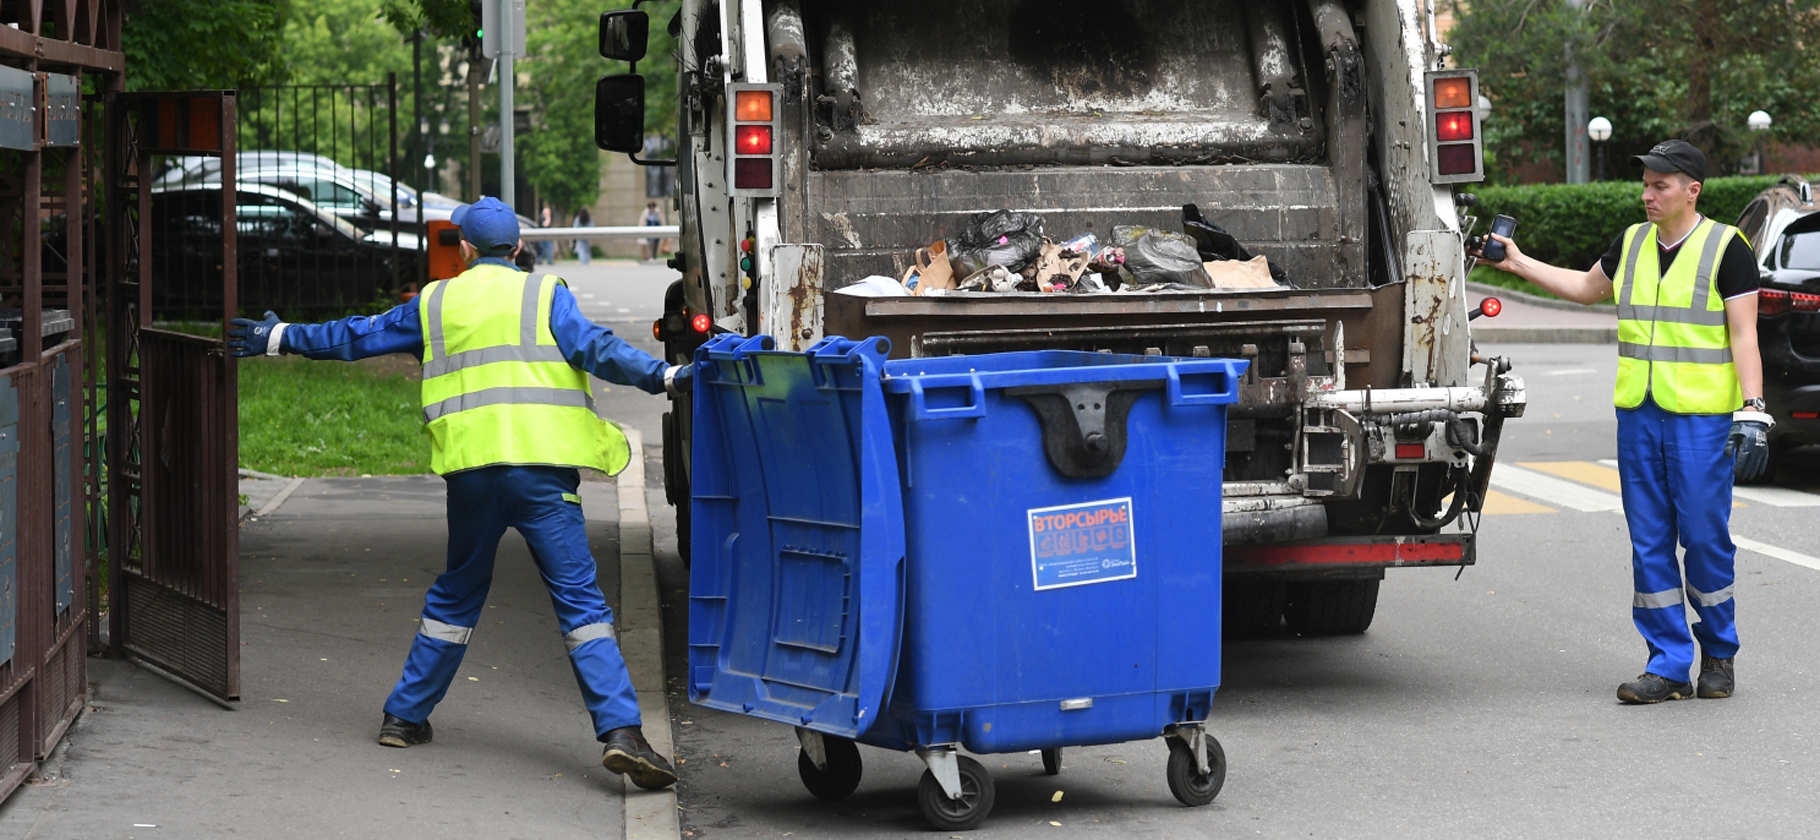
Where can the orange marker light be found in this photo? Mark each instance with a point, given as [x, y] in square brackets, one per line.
[1454, 92]
[752, 106]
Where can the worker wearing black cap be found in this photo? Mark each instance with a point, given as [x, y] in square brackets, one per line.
[1691, 415]
[510, 414]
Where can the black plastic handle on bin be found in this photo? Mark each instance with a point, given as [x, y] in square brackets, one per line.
[1084, 423]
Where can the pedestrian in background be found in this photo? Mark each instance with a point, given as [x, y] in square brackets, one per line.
[1691, 415]
[652, 218]
[546, 248]
[584, 249]
[510, 414]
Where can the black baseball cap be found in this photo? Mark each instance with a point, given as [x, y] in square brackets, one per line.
[1674, 156]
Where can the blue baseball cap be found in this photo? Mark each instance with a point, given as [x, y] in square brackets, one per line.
[489, 225]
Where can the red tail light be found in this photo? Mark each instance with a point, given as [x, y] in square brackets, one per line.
[1455, 153]
[1491, 307]
[701, 323]
[1410, 451]
[1804, 302]
[1772, 302]
[752, 168]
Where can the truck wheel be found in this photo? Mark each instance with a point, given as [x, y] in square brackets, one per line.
[1330, 607]
[1252, 607]
[676, 482]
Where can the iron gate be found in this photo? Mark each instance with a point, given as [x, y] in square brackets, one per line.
[172, 413]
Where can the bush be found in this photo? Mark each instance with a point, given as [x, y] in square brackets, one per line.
[1571, 225]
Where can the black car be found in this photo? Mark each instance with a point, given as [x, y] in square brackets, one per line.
[1783, 225]
[293, 256]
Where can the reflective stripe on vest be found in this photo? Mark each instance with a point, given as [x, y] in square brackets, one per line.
[496, 388]
[1674, 345]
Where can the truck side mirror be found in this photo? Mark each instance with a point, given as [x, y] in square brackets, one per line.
[619, 113]
[623, 34]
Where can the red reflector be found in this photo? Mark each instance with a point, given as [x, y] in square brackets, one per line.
[1804, 415]
[701, 323]
[1455, 92]
[752, 106]
[753, 140]
[1772, 302]
[1457, 159]
[1453, 125]
[1411, 451]
[1491, 307]
[752, 173]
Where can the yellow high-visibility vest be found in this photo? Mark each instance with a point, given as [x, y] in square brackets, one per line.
[496, 390]
[1673, 342]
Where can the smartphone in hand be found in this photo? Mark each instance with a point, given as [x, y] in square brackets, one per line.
[1504, 226]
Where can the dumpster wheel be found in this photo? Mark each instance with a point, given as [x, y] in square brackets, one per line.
[1052, 761]
[1186, 781]
[957, 814]
[837, 780]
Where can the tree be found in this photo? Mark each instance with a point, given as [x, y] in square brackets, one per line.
[204, 44]
[1656, 68]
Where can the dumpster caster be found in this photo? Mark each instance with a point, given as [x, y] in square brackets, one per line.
[1197, 765]
[829, 766]
[1052, 761]
[963, 799]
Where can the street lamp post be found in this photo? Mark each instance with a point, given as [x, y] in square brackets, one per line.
[1759, 122]
[1599, 129]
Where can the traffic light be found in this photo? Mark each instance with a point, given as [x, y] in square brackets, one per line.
[752, 118]
[1456, 147]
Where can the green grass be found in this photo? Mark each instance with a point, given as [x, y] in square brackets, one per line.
[304, 418]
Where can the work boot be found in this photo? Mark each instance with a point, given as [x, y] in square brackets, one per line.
[629, 754]
[1715, 678]
[395, 731]
[1652, 688]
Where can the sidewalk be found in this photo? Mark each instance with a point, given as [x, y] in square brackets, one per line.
[333, 573]
[1531, 319]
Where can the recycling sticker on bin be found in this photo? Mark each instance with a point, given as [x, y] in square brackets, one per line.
[1072, 545]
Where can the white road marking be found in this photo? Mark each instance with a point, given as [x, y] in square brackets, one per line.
[1768, 550]
[1569, 371]
[1772, 496]
[1547, 488]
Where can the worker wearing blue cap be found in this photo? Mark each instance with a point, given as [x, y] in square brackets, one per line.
[506, 398]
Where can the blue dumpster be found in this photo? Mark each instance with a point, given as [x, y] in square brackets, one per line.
[997, 553]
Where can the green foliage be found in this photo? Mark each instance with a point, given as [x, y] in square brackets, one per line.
[338, 42]
[1667, 68]
[1571, 225]
[204, 44]
[299, 417]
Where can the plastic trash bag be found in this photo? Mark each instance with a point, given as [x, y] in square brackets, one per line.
[1003, 238]
[1155, 257]
[1214, 243]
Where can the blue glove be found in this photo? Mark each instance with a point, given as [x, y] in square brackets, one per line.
[246, 337]
[679, 380]
[1748, 444]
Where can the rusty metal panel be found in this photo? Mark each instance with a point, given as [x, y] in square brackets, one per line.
[1437, 351]
[9, 519]
[180, 595]
[793, 296]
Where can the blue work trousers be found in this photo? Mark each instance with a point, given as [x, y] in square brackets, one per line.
[542, 503]
[1677, 487]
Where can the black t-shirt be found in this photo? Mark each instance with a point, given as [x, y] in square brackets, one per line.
[1738, 273]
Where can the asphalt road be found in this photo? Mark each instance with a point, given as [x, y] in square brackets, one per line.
[1479, 706]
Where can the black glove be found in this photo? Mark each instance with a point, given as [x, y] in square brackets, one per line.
[247, 337]
[1748, 444]
[679, 380]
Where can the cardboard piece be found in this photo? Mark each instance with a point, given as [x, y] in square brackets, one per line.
[930, 266]
[1053, 264]
[1234, 274]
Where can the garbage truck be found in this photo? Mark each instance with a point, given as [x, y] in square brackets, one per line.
[822, 147]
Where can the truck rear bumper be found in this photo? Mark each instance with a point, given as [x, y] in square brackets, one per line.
[1352, 556]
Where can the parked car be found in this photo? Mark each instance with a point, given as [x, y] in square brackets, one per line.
[293, 256]
[1783, 225]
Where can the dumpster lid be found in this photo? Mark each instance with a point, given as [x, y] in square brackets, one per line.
[797, 532]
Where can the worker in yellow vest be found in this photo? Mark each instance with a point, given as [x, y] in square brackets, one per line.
[1691, 415]
[510, 414]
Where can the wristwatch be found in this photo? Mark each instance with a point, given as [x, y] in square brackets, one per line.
[1756, 404]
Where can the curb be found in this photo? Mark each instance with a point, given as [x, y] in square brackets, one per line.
[649, 814]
